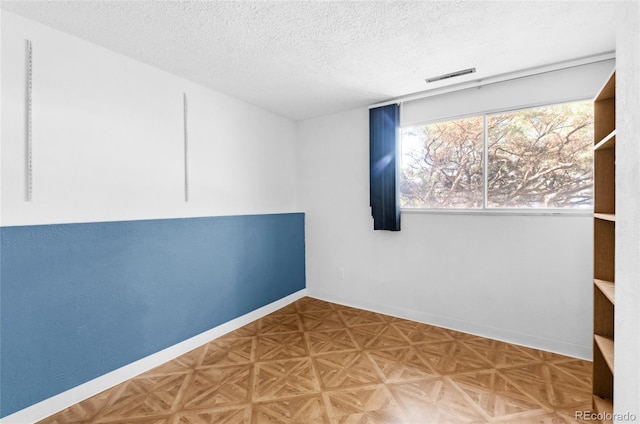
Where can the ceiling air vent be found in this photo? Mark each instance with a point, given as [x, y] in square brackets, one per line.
[451, 75]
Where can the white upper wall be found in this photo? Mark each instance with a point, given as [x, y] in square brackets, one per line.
[557, 86]
[108, 139]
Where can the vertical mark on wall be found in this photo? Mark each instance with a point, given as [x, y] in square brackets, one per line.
[186, 148]
[485, 201]
[28, 128]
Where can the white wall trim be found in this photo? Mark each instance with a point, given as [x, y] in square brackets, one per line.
[543, 212]
[91, 388]
[527, 340]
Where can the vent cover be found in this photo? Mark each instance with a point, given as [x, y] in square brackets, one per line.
[451, 75]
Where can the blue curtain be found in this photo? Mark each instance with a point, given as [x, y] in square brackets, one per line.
[384, 130]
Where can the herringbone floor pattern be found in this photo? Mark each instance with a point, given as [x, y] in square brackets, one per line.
[318, 362]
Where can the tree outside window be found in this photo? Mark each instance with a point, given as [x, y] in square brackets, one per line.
[536, 158]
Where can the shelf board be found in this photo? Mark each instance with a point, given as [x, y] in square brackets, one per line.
[603, 406]
[609, 142]
[607, 288]
[606, 347]
[605, 216]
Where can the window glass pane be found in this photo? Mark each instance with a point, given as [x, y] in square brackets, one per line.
[442, 165]
[541, 157]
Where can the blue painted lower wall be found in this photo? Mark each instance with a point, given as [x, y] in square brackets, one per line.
[80, 300]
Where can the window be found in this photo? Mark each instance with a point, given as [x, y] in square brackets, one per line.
[442, 165]
[532, 158]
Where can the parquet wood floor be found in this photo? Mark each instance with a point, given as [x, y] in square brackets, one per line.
[318, 362]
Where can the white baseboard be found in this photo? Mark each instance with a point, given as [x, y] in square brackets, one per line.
[91, 388]
[536, 342]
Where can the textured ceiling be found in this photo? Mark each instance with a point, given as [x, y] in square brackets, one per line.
[304, 59]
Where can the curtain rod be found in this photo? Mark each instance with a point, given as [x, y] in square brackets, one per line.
[500, 78]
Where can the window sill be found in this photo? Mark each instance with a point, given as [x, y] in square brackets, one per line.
[500, 212]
